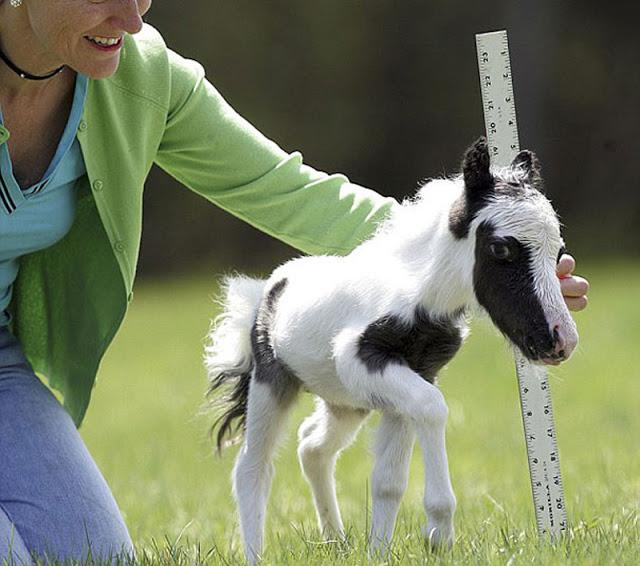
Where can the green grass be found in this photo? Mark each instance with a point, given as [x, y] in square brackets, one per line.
[146, 433]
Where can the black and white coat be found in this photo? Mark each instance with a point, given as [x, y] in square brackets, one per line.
[371, 330]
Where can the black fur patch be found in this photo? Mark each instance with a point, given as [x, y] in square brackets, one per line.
[478, 186]
[505, 289]
[462, 214]
[425, 345]
[268, 368]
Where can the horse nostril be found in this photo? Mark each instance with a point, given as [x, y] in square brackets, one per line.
[559, 343]
[564, 337]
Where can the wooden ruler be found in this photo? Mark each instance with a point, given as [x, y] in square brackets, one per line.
[501, 125]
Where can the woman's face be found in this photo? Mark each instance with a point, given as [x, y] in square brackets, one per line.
[69, 31]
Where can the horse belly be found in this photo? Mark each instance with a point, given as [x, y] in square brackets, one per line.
[305, 347]
[311, 361]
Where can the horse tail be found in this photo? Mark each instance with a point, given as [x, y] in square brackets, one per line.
[228, 354]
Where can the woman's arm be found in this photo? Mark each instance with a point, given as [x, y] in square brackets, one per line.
[212, 150]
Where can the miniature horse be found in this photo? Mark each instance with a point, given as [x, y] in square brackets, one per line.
[371, 330]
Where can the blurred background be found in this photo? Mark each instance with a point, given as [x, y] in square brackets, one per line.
[387, 92]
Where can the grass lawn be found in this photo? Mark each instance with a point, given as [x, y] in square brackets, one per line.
[145, 431]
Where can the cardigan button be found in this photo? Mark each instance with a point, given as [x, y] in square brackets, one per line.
[82, 126]
[119, 247]
[98, 185]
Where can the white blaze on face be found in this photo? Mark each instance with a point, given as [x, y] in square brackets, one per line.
[531, 220]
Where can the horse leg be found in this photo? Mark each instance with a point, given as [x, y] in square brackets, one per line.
[397, 389]
[322, 436]
[253, 470]
[393, 448]
[439, 499]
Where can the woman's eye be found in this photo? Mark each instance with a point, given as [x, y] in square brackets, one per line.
[500, 251]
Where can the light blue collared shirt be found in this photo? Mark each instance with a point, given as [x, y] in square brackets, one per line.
[38, 216]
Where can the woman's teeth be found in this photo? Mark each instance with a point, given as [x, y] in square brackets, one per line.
[105, 41]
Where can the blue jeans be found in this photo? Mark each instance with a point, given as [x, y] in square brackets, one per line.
[54, 502]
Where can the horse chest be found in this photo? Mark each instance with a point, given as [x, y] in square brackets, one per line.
[425, 345]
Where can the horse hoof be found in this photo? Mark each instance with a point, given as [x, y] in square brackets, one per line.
[439, 537]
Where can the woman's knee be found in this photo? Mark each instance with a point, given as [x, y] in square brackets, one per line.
[104, 546]
[50, 487]
[13, 549]
[73, 534]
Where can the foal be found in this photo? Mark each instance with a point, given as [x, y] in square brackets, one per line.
[371, 330]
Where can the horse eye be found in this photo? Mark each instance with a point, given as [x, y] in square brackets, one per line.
[500, 251]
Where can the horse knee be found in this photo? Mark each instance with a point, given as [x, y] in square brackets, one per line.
[431, 409]
[313, 449]
[391, 492]
[388, 487]
[308, 426]
[311, 456]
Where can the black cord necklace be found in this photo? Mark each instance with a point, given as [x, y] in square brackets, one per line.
[23, 74]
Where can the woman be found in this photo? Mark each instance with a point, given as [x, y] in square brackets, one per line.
[89, 99]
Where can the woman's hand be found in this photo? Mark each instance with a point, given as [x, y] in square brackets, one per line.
[574, 288]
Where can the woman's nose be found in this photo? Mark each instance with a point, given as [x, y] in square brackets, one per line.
[129, 15]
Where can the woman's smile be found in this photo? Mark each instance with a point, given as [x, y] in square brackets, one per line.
[108, 44]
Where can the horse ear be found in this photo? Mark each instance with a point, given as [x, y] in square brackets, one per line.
[475, 168]
[530, 164]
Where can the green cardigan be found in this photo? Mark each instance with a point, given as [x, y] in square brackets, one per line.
[70, 299]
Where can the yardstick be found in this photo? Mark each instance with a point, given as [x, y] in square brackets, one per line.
[499, 106]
